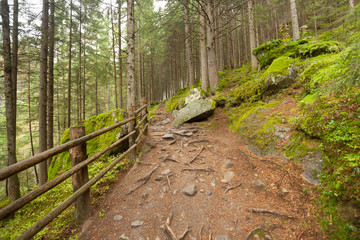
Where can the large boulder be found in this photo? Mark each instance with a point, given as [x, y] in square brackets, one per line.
[195, 111]
[194, 94]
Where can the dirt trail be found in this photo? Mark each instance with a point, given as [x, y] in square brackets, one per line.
[235, 192]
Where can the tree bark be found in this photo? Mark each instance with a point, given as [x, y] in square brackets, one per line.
[220, 39]
[139, 64]
[69, 74]
[120, 59]
[13, 186]
[43, 93]
[189, 57]
[114, 58]
[210, 34]
[131, 91]
[352, 5]
[203, 52]
[50, 130]
[295, 21]
[254, 62]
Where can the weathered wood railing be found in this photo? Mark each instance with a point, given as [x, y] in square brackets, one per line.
[78, 171]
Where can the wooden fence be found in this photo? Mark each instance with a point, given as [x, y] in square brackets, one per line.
[78, 171]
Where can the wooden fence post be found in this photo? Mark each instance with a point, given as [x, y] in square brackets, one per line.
[132, 126]
[144, 112]
[78, 154]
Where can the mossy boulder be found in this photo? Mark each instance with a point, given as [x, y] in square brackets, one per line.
[195, 111]
[62, 162]
[281, 74]
[194, 94]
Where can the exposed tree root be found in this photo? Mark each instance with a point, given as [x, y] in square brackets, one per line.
[145, 179]
[196, 155]
[232, 187]
[198, 141]
[247, 158]
[260, 210]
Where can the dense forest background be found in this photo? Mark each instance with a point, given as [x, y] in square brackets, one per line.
[84, 70]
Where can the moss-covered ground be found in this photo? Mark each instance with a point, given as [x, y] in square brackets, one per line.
[325, 115]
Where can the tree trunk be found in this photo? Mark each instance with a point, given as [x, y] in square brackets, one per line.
[131, 91]
[139, 81]
[43, 92]
[352, 5]
[254, 62]
[50, 130]
[69, 79]
[220, 39]
[120, 59]
[295, 21]
[13, 186]
[210, 33]
[114, 58]
[84, 78]
[189, 57]
[79, 83]
[204, 70]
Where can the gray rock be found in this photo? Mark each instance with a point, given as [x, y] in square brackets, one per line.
[195, 111]
[137, 223]
[193, 95]
[158, 178]
[222, 237]
[213, 184]
[208, 193]
[168, 136]
[190, 190]
[228, 176]
[313, 164]
[228, 164]
[147, 146]
[166, 172]
[281, 132]
[123, 236]
[124, 145]
[118, 218]
[275, 83]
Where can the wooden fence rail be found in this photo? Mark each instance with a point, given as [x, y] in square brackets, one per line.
[78, 168]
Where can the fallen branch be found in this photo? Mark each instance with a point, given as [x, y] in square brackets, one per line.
[144, 179]
[202, 149]
[167, 158]
[198, 141]
[198, 169]
[232, 187]
[260, 210]
[168, 180]
[168, 229]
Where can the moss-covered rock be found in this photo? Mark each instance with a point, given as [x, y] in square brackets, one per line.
[62, 162]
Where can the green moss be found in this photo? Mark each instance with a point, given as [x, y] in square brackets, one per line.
[279, 66]
[177, 101]
[62, 162]
[319, 48]
[153, 109]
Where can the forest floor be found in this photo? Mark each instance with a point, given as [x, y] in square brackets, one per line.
[204, 183]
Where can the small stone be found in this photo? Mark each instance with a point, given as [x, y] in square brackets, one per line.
[259, 185]
[157, 238]
[213, 184]
[145, 196]
[140, 203]
[228, 177]
[168, 136]
[118, 218]
[163, 149]
[208, 193]
[192, 150]
[158, 178]
[137, 223]
[175, 192]
[284, 191]
[172, 142]
[247, 218]
[228, 164]
[217, 148]
[163, 164]
[190, 190]
[201, 180]
[123, 237]
[186, 144]
[166, 172]
[283, 121]
[140, 238]
[183, 215]
[201, 190]
[222, 237]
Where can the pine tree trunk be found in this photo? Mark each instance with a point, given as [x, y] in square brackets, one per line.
[120, 59]
[352, 5]
[50, 130]
[189, 57]
[114, 59]
[43, 93]
[13, 187]
[204, 70]
[79, 83]
[254, 62]
[295, 21]
[69, 79]
[131, 90]
[84, 79]
[210, 34]
[220, 40]
[139, 85]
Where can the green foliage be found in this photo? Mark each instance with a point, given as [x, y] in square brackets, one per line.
[279, 66]
[62, 162]
[177, 101]
[153, 109]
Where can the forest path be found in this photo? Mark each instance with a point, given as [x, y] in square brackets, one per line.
[203, 183]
